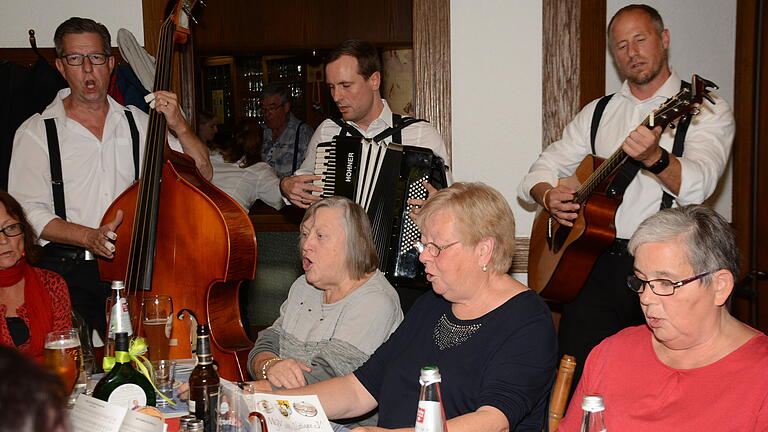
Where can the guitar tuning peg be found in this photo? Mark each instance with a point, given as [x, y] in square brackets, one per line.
[695, 111]
[202, 3]
[671, 126]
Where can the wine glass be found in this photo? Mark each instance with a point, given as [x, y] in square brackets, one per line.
[64, 356]
[157, 319]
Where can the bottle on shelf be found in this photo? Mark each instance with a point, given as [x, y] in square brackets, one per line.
[118, 316]
[430, 415]
[593, 419]
[124, 385]
[204, 383]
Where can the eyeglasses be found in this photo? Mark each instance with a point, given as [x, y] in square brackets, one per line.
[77, 59]
[660, 287]
[13, 230]
[432, 248]
[273, 107]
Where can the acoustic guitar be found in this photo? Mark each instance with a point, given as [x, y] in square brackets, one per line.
[561, 257]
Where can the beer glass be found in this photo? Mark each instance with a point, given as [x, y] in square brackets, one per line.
[157, 319]
[64, 356]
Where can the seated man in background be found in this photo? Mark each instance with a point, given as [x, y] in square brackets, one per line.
[237, 166]
[691, 353]
[338, 312]
[285, 136]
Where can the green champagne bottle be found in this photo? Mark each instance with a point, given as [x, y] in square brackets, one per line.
[124, 385]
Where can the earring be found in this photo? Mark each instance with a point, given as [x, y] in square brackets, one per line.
[485, 267]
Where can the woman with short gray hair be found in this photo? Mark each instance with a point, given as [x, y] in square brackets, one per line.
[666, 375]
[338, 312]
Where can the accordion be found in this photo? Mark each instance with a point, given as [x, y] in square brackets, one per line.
[382, 178]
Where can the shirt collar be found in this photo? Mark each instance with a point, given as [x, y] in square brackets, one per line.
[669, 89]
[385, 116]
[56, 108]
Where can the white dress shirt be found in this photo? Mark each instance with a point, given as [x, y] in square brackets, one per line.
[707, 146]
[94, 171]
[246, 185]
[420, 134]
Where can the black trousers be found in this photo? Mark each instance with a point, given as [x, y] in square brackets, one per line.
[603, 307]
[87, 292]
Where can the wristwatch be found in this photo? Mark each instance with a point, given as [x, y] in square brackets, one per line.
[660, 164]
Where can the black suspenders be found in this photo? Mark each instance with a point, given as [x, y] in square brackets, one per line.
[399, 123]
[54, 157]
[629, 170]
[296, 146]
[57, 183]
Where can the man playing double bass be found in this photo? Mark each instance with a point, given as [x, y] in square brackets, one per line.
[70, 162]
[639, 43]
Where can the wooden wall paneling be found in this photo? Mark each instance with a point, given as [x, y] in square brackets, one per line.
[154, 11]
[247, 25]
[432, 65]
[750, 160]
[573, 69]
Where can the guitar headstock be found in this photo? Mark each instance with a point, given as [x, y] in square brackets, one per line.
[180, 13]
[685, 101]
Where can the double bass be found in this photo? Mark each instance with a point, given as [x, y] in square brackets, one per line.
[183, 237]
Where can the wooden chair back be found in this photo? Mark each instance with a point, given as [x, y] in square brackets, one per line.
[558, 401]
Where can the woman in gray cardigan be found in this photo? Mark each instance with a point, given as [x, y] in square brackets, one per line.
[338, 312]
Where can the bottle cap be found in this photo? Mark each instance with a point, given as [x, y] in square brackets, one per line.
[121, 341]
[116, 285]
[195, 425]
[593, 403]
[429, 375]
[184, 421]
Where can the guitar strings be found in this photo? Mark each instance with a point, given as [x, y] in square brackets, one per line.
[619, 156]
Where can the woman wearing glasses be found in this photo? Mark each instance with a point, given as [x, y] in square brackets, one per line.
[492, 337]
[692, 367]
[33, 301]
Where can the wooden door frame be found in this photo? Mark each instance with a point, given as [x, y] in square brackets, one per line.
[750, 160]
[432, 65]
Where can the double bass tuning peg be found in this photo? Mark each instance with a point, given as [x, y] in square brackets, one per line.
[188, 12]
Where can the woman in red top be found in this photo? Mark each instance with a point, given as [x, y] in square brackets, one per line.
[33, 301]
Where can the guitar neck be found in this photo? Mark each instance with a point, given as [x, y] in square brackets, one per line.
[609, 166]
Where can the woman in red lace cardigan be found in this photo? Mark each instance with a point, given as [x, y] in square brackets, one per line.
[33, 301]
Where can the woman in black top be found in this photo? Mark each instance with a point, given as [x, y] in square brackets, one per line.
[492, 337]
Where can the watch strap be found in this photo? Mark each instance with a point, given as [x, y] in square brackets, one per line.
[660, 164]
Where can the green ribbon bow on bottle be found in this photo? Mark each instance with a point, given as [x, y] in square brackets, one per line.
[137, 347]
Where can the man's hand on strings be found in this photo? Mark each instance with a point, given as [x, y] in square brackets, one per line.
[101, 241]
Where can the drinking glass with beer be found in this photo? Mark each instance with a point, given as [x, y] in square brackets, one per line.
[64, 356]
[157, 319]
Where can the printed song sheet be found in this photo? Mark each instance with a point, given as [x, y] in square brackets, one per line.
[239, 410]
[94, 415]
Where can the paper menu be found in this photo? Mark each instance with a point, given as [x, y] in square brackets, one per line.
[281, 413]
[94, 415]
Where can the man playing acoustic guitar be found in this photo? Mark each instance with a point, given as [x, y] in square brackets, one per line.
[686, 171]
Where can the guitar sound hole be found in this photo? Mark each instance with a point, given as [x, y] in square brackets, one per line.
[561, 235]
